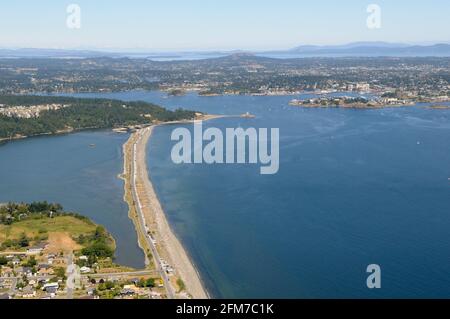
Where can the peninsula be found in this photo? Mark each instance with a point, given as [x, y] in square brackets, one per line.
[156, 237]
[29, 115]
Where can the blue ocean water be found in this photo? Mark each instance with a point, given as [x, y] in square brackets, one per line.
[355, 187]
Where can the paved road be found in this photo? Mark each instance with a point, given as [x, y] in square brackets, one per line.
[12, 290]
[70, 277]
[98, 275]
[121, 274]
[32, 277]
[162, 272]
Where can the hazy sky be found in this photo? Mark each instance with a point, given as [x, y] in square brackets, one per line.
[217, 24]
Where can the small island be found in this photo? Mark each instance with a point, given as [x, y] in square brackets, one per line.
[176, 92]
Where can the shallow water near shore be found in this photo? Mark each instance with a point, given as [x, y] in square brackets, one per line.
[66, 169]
[355, 187]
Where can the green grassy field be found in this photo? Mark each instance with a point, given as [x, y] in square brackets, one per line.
[36, 227]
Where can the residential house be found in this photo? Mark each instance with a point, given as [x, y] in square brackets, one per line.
[127, 292]
[37, 249]
[90, 291]
[50, 258]
[45, 269]
[85, 270]
[51, 288]
[51, 291]
[27, 271]
[15, 261]
[28, 292]
[7, 271]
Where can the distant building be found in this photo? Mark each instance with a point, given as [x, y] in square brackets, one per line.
[37, 249]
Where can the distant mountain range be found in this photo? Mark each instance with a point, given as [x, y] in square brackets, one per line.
[56, 53]
[374, 49]
[351, 49]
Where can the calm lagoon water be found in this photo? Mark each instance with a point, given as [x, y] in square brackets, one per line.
[355, 187]
[65, 169]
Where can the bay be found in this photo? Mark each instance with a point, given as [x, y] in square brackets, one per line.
[355, 187]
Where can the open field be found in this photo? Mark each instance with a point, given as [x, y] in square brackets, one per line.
[54, 227]
[59, 232]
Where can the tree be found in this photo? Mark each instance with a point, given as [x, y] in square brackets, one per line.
[23, 240]
[109, 285]
[31, 262]
[60, 272]
[3, 261]
[150, 283]
[141, 283]
[101, 287]
[98, 249]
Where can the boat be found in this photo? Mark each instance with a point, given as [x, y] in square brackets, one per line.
[247, 115]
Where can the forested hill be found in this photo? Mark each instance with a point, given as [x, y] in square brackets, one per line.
[75, 114]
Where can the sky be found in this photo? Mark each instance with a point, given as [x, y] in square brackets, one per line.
[172, 25]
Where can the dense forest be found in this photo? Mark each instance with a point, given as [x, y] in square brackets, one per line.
[81, 114]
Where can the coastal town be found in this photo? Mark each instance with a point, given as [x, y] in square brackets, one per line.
[363, 96]
[35, 274]
[39, 261]
[48, 254]
[351, 102]
[413, 78]
[29, 111]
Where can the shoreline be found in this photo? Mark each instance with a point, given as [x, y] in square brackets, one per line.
[72, 130]
[154, 231]
[57, 133]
